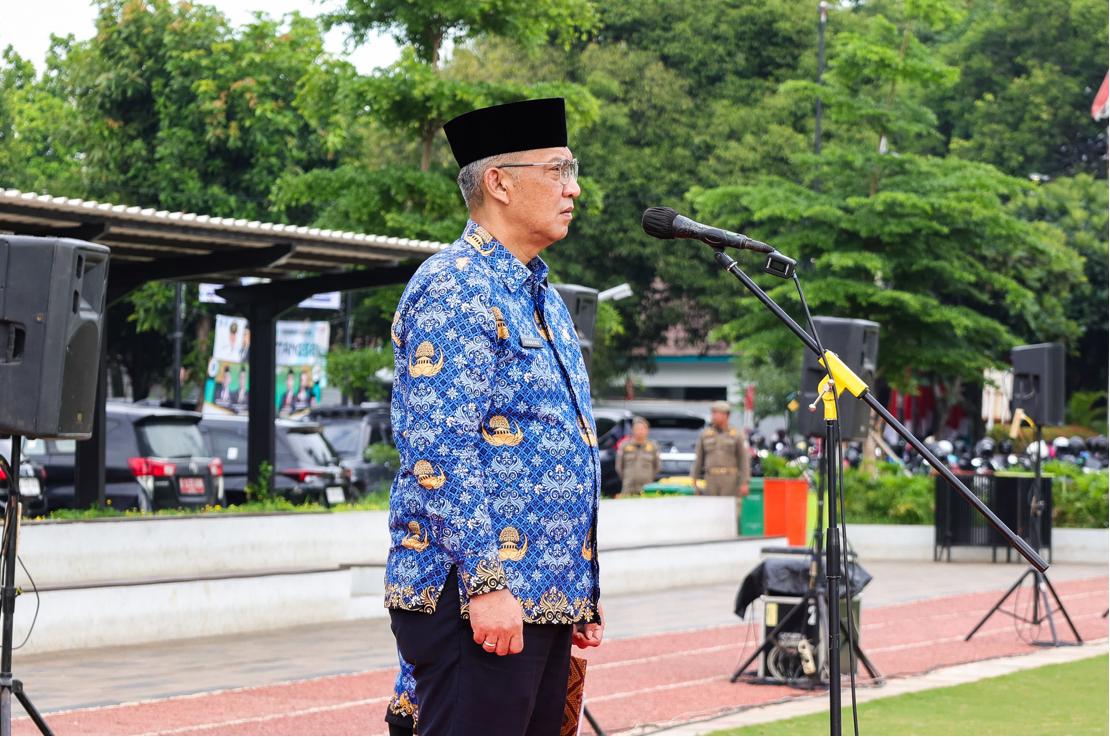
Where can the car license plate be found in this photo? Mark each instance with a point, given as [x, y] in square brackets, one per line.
[335, 494]
[30, 487]
[191, 485]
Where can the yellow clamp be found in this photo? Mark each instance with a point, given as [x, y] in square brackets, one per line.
[844, 377]
[828, 390]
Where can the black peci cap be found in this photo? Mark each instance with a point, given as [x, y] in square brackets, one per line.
[503, 129]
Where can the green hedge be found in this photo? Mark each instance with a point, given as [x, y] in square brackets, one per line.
[890, 498]
[1079, 499]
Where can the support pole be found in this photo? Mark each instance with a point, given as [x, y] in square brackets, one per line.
[178, 308]
[88, 467]
[262, 409]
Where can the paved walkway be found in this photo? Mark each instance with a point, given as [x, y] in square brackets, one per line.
[668, 659]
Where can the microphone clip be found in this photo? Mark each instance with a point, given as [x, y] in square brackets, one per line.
[779, 265]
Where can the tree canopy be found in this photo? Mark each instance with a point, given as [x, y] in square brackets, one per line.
[959, 198]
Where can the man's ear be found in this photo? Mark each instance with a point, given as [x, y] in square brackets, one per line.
[498, 184]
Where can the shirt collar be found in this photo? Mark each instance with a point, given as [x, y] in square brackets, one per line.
[507, 266]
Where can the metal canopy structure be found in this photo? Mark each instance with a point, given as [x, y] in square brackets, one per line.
[150, 245]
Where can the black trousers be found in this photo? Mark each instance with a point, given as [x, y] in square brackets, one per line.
[462, 689]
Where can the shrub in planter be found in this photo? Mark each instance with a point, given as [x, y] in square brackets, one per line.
[1078, 499]
[890, 497]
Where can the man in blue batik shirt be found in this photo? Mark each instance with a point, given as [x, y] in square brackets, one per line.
[493, 572]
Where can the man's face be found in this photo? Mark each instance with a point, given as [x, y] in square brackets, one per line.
[639, 432]
[719, 418]
[540, 202]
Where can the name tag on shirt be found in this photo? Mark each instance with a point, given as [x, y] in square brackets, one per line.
[528, 341]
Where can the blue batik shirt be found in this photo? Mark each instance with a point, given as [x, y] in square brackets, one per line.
[499, 473]
[403, 702]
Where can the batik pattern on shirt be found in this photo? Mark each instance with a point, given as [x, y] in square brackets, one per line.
[403, 702]
[491, 410]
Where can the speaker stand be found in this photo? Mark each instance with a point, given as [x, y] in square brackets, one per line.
[10, 686]
[1042, 607]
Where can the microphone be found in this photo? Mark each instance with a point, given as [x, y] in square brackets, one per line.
[665, 223]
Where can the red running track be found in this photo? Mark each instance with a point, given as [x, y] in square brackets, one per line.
[654, 680]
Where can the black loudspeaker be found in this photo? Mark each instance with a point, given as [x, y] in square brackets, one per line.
[582, 304]
[52, 298]
[857, 344]
[1039, 382]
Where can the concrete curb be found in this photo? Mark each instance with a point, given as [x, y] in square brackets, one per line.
[940, 678]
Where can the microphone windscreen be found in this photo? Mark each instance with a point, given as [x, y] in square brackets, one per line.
[659, 222]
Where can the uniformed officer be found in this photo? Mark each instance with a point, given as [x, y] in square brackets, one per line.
[722, 456]
[637, 460]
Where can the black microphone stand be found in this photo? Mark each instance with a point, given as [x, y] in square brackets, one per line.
[844, 379]
[9, 685]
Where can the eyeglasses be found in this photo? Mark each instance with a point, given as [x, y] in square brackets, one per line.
[567, 168]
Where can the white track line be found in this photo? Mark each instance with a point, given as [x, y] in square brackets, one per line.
[272, 717]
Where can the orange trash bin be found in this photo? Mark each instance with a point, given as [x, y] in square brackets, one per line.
[784, 509]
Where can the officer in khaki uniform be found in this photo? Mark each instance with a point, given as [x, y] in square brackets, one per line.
[722, 457]
[637, 460]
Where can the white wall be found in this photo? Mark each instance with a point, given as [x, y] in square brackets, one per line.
[915, 542]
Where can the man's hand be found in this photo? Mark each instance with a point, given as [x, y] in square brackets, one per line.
[589, 634]
[744, 489]
[497, 622]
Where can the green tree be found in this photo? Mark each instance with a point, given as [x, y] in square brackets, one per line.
[168, 106]
[1029, 72]
[354, 372]
[1078, 207]
[182, 112]
[424, 25]
[39, 151]
[928, 247]
[413, 92]
[775, 375]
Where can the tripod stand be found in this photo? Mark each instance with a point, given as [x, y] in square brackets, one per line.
[1042, 608]
[8, 592]
[817, 598]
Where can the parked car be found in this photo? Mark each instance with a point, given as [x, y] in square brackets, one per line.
[306, 467]
[352, 429]
[32, 478]
[155, 458]
[676, 432]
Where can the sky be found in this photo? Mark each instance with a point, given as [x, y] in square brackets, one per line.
[27, 26]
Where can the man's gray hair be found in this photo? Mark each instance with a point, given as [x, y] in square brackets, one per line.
[471, 175]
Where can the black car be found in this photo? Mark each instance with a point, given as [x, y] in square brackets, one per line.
[306, 467]
[32, 478]
[352, 429]
[155, 458]
[675, 431]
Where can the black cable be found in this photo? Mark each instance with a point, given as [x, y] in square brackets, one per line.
[852, 635]
[6, 468]
[38, 603]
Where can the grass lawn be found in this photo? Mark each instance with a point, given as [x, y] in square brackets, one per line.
[1055, 699]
